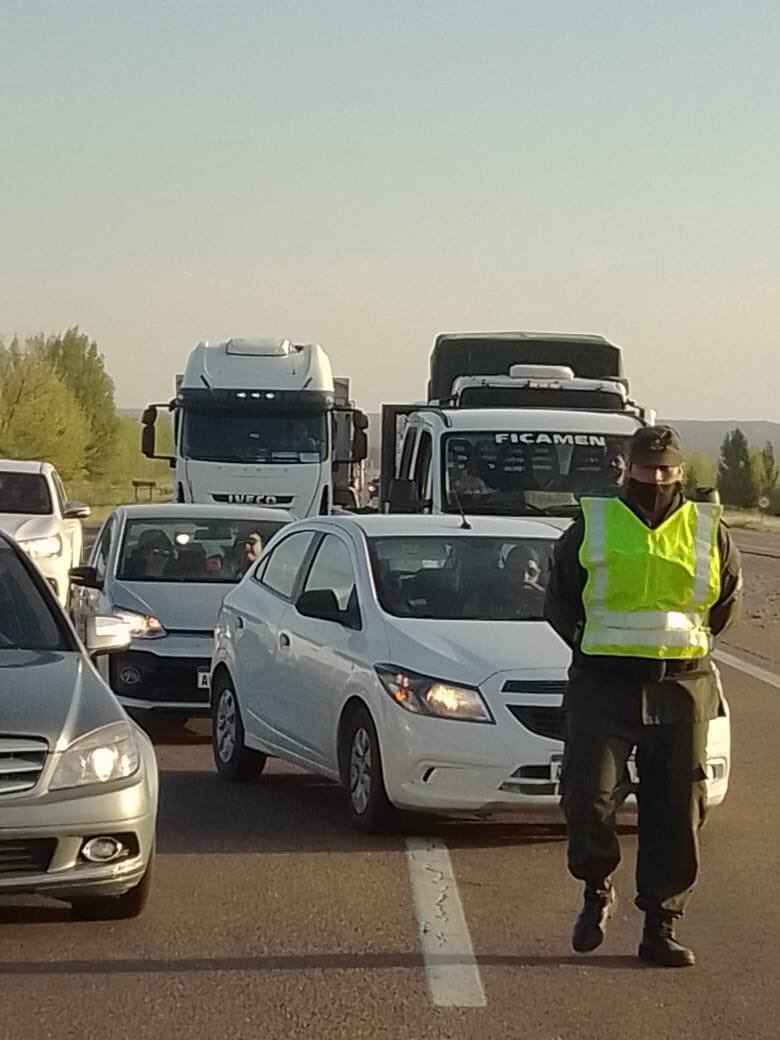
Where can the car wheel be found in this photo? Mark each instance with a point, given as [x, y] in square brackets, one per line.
[369, 807]
[234, 760]
[116, 908]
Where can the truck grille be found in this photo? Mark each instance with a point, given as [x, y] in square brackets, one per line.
[545, 722]
[25, 855]
[21, 762]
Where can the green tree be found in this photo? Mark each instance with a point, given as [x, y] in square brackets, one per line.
[768, 470]
[39, 416]
[736, 477]
[79, 364]
[699, 473]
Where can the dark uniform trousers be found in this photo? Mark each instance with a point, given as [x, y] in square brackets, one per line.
[671, 763]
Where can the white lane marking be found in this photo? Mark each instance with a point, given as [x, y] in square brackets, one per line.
[770, 678]
[451, 969]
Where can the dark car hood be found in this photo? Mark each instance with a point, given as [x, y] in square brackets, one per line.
[54, 695]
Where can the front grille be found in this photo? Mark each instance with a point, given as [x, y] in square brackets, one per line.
[172, 679]
[534, 687]
[25, 856]
[545, 722]
[21, 762]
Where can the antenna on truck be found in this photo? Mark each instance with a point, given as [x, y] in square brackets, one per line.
[465, 526]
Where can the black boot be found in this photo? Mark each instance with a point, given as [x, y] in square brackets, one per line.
[659, 945]
[591, 925]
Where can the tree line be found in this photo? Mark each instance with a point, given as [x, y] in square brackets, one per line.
[57, 403]
[744, 474]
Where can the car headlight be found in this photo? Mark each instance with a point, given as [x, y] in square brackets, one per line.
[424, 695]
[142, 626]
[108, 753]
[42, 548]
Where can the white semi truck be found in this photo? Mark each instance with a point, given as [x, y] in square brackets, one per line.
[519, 424]
[261, 421]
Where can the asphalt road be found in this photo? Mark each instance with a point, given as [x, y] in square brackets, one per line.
[270, 917]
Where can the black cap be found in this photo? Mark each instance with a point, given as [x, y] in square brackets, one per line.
[655, 446]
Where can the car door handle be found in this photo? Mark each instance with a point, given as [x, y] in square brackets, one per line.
[284, 641]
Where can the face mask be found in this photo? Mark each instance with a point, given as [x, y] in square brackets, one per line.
[653, 499]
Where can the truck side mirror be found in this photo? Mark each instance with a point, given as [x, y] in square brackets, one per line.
[359, 446]
[149, 417]
[148, 441]
[707, 494]
[403, 496]
[359, 420]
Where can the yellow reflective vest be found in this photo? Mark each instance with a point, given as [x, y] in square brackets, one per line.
[649, 590]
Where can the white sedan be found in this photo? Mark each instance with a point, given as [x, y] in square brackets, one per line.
[406, 657]
[36, 511]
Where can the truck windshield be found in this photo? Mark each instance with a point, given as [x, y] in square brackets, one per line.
[24, 493]
[290, 439]
[530, 473]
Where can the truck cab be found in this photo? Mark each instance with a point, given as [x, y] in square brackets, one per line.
[509, 462]
[254, 424]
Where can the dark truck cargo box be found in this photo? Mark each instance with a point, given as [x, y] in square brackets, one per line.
[492, 354]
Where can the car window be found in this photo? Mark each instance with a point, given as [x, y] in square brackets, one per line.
[405, 465]
[280, 573]
[24, 493]
[462, 577]
[59, 492]
[332, 569]
[27, 621]
[102, 549]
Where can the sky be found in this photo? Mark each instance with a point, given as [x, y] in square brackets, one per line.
[366, 175]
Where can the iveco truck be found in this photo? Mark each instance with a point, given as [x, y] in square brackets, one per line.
[257, 421]
[517, 424]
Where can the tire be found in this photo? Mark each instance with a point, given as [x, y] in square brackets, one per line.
[235, 762]
[368, 806]
[117, 908]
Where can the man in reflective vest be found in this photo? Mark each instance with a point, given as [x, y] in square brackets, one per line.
[640, 585]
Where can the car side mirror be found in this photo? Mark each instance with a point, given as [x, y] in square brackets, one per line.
[77, 511]
[107, 635]
[86, 577]
[323, 605]
[403, 496]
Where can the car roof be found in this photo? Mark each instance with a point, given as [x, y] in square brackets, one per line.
[23, 466]
[566, 420]
[384, 525]
[185, 510]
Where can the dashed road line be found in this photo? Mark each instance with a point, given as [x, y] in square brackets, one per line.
[451, 969]
[764, 676]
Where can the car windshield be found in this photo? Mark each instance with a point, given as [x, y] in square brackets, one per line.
[461, 578]
[215, 436]
[192, 550]
[530, 473]
[27, 621]
[24, 493]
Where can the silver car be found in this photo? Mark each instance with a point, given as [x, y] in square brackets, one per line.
[165, 570]
[78, 779]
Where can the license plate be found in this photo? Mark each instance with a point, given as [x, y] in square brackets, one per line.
[203, 679]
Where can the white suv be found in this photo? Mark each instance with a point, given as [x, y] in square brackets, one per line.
[35, 510]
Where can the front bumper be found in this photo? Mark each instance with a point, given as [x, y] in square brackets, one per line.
[444, 766]
[41, 837]
[164, 675]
